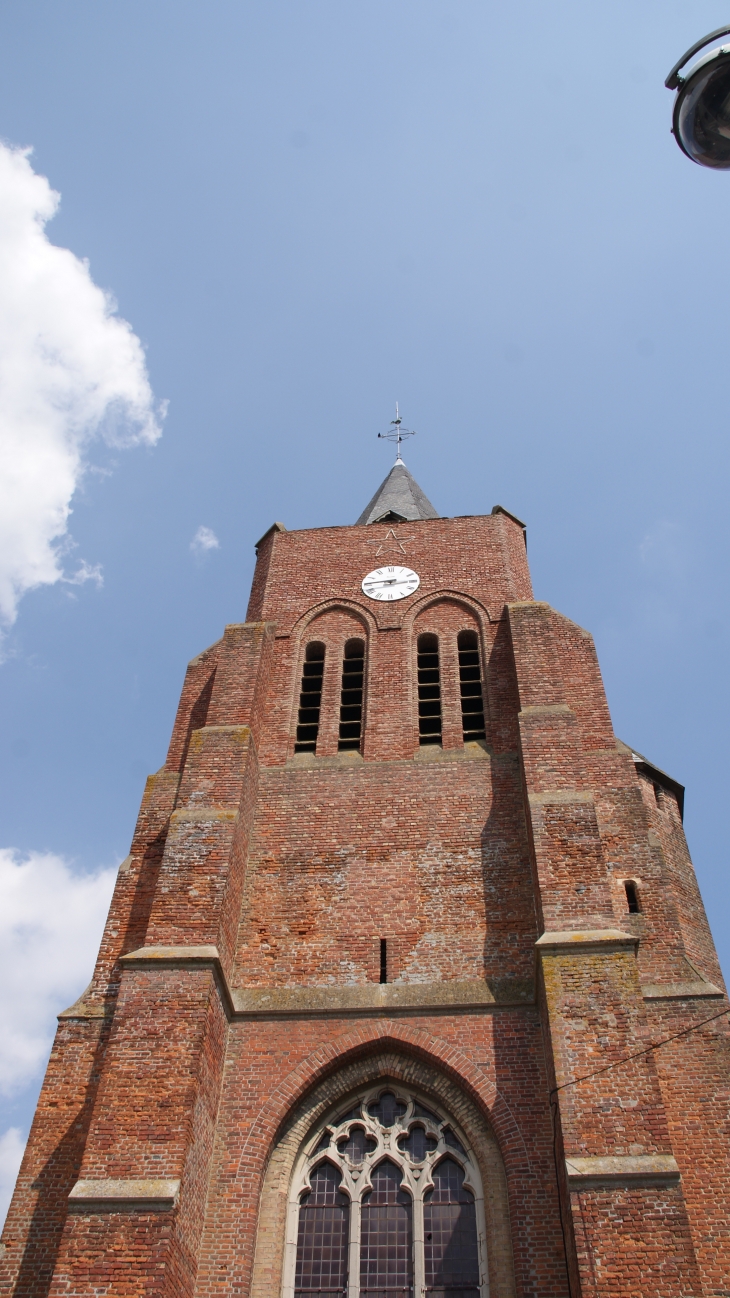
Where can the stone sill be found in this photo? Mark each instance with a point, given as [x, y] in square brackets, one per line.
[679, 991]
[642, 1169]
[124, 1195]
[171, 955]
[586, 941]
[475, 750]
[438, 997]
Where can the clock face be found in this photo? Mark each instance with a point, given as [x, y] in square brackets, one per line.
[391, 582]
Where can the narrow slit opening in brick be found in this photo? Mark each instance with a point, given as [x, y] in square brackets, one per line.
[429, 690]
[351, 696]
[310, 698]
[470, 685]
[383, 960]
[632, 897]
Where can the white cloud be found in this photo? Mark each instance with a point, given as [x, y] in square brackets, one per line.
[86, 572]
[70, 371]
[11, 1152]
[51, 921]
[204, 541]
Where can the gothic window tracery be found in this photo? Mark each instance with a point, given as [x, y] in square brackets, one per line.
[386, 1202]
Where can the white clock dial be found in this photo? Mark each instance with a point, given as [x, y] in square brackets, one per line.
[390, 582]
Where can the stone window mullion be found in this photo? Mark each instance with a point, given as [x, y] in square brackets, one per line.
[419, 1265]
[353, 1274]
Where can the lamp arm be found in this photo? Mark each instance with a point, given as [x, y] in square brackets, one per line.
[674, 80]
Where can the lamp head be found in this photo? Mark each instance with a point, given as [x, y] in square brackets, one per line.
[701, 118]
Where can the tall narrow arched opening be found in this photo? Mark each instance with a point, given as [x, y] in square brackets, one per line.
[429, 690]
[351, 696]
[470, 686]
[310, 698]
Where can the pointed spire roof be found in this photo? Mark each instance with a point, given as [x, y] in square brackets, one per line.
[398, 499]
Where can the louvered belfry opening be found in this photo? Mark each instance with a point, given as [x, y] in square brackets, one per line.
[324, 1230]
[310, 698]
[470, 684]
[351, 697]
[429, 690]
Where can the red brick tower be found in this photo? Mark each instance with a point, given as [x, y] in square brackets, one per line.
[406, 987]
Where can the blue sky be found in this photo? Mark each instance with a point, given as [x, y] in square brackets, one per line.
[306, 212]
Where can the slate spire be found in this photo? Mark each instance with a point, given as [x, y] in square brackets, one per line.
[399, 499]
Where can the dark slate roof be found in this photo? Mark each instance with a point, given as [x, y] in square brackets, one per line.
[656, 774]
[399, 497]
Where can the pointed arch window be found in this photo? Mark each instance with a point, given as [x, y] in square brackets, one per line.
[386, 1202]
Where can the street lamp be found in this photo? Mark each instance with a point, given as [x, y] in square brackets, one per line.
[701, 118]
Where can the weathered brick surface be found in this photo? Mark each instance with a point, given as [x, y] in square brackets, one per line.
[254, 870]
[154, 1118]
[52, 1161]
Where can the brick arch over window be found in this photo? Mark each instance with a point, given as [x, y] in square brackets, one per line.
[344, 635]
[443, 621]
[328, 1099]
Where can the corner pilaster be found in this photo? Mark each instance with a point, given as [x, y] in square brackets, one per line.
[614, 1159]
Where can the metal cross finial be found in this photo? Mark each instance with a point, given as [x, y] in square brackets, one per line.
[397, 433]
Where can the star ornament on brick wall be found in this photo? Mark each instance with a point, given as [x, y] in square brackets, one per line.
[390, 542]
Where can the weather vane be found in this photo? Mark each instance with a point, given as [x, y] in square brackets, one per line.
[397, 433]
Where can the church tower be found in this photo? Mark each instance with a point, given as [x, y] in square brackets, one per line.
[407, 987]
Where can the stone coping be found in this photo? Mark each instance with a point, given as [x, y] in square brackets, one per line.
[87, 1010]
[199, 814]
[554, 797]
[649, 1169]
[171, 955]
[679, 991]
[140, 1195]
[586, 941]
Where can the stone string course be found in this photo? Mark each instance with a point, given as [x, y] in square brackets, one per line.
[237, 995]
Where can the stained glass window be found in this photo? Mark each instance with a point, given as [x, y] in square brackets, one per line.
[452, 1140]
[387, 1108]
[322, 1244]
[393, 1211]
[357, 1145]
[450, 1235]
[386, 1230]
[417, 1144]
